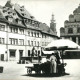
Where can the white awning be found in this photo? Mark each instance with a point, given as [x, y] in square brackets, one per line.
[48, 52]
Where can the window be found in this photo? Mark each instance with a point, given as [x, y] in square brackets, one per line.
[28, 52]
[35, 43]
[14, 13]
[29, 42]
[32, 34]
[21, 31]
[10, 19]
[21, 41]
[45, 36]
[35, 34]
[2, 27]
[22, 9]
[10, 29]
[16, 41]
[78, 30]
[23, 14]
[19, 21]
[38, 43]
[38, 34]
[28, 33]
[70, 30]
[12, 53]
[14, 30]
[13, 41]
[32, 43]
[1, 40]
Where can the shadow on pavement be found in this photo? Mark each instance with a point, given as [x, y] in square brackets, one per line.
[45, 75]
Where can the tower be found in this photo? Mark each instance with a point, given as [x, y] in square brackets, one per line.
[53, 25]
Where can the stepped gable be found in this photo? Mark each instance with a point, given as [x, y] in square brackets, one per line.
[77, 10]
[23, 12]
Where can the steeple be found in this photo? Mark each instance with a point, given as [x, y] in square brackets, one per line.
[53, 25]
[52, 20]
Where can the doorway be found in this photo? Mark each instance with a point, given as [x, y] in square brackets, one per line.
[20, 54]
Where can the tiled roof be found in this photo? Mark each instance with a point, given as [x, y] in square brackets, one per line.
[2, 18]
[19, 14]
[43, 27]
[16, 24]
[23, 12]
[46, 29]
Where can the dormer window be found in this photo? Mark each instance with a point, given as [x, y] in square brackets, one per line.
[4, 11]
[23, 14]
[14, 13]
[33, 22]
[9, 12]
[22, 9]
[18, 21]
[10, 19]
[32, 17]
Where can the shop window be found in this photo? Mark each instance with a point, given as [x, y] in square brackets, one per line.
[12, 53]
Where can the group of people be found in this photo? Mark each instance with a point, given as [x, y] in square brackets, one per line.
[54, 62]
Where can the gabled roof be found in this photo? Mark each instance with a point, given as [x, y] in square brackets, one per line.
[9, 4]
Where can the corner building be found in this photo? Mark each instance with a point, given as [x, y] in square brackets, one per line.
[71, 29]
[20, 32]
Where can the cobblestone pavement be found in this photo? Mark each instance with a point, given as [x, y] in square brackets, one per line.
[14, 71]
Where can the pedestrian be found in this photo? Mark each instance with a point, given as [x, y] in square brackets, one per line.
[53, 64]
[57, 54]
[39, 57]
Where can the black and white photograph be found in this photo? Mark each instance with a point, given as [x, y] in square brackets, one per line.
[39, 39]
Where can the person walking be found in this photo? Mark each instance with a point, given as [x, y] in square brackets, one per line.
[53, 64]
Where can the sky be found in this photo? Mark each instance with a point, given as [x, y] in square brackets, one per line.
[42, 10]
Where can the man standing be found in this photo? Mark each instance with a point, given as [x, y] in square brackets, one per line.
[53, 64]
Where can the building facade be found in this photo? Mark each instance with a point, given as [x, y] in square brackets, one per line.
[71, 29]
[20, 32]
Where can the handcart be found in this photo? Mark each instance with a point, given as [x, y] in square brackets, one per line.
[44, 68]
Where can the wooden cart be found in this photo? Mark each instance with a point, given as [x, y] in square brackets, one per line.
[41, 68]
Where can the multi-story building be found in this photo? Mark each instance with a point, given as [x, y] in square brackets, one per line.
[71, 28]
[20, 32]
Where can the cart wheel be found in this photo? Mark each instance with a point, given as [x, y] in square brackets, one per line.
[29, 71]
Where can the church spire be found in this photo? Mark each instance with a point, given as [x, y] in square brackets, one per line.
[53, 25]
[52, 20]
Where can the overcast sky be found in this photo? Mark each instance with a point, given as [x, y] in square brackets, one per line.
[43, 9]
